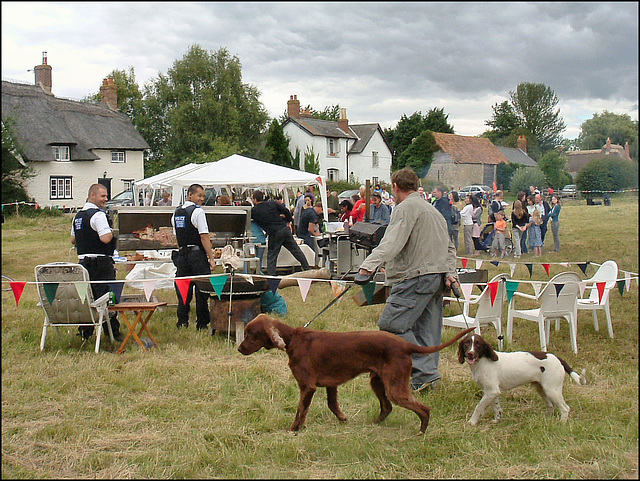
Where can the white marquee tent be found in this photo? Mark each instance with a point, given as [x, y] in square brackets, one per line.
[244, 172]
[160, 181]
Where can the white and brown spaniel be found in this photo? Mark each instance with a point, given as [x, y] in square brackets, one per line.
[496, 372]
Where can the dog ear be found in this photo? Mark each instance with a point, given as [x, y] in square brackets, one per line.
[275, 338]
[491, 353]
[461, 352]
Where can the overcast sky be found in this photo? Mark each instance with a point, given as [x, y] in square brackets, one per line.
[377, 60]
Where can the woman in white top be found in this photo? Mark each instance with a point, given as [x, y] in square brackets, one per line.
[467, 224]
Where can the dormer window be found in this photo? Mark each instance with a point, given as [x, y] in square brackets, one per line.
[61, 153]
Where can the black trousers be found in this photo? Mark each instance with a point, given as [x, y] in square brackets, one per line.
[283, 238]
[100, 269]
[193, 262]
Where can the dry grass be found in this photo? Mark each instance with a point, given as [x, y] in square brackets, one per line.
[196, 408]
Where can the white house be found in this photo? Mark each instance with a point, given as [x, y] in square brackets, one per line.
[70, 144]
[345, 152]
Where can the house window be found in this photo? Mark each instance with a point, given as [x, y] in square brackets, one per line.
[375, 160]
[333, 147]
[128, 184]
[374, 181]
[60, 188]
[61, 153]
[117, 157]
[332, 174]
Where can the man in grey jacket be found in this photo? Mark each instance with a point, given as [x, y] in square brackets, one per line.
[420, 260]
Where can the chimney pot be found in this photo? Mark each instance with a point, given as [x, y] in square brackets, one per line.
[43, 74]
[293, 107]
[343, 122]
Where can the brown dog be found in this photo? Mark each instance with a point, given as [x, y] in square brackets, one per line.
[328, 359]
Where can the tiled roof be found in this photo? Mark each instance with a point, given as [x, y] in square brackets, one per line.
[517, 156]
[469, 150]
[323, 128]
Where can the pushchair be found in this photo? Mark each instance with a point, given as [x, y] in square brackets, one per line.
[486, 239]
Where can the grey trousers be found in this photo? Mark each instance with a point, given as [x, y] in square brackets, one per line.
[555, 228]
[414, 312]
[469, 248]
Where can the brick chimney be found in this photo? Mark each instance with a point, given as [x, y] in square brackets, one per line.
[109, 93]
[343, 122]
[293, 107]
[627, 151]
[43, 74]
[522, 143]
[607, 146]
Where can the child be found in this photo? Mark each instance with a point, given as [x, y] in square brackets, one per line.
[535, 234]
[500, 230]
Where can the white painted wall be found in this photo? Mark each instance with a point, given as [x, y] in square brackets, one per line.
[84, 173]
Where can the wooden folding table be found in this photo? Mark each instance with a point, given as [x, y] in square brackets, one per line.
[139, 308]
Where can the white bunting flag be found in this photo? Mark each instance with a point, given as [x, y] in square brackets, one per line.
[304, 285]
[148, 287]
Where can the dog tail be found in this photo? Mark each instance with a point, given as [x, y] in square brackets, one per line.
[431, 349]
[580, 380]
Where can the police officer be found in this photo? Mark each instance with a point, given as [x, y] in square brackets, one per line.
[91, 233]
[190, 225]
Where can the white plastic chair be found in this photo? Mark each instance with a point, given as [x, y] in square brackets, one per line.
[67, 308]
[608, 273]
[552, 306]
[485, 313]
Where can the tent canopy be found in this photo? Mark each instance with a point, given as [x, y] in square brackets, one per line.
[239, 171]
[160, 181]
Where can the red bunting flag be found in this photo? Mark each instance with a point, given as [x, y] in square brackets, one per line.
[183, 288]
[17, 287]
[546, 268]
[600, 286]
[319, 179]
[493, 288]
[464, 262]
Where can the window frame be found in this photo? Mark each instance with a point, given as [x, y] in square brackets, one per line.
[375, 159]
[56, 153]
[64, 181]
[120, 155]
[332, 174]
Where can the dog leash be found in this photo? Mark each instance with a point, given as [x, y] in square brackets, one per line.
[335, 299]
[456, 292]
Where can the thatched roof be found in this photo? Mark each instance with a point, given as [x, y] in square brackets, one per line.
[41, 120]
[469, 150]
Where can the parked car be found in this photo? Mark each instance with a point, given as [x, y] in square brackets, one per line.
[569, 190]
[123, 198]
[475, 189]
[347, 194]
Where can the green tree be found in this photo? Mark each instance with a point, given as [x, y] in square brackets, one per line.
[14, 170]
[311, 161]
[621, 129]
[554, 167]
[410, 128]
[419, 154]
[608, 173]
[200, 109]
[330, 113]
[523, 177]
[277, 146]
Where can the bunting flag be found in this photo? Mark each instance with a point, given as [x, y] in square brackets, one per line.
[273, 284]
[319, 179]
[559, 288]
[464, 262]
[583, 267]
[18, 288]
[512, 267]
[621, 287]
[368, 290]
[281, 187]
[493, 288]
[218, 282]
[546, 268]
[467, 288]
[564, 264]
[148, 287]
[627, 277]
[478, 264]
[600, 286]
[50, 289]
[304, 285]
[338, 287]
[81, 289]
[183, 288]
[530, 267]
[582, 286]
[512, 287]
[247, 277]
[117, 287]
[495, 263]
[536, 287]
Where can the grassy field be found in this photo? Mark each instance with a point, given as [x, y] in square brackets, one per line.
[196, 408]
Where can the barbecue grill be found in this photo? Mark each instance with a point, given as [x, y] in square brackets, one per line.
[366, 234]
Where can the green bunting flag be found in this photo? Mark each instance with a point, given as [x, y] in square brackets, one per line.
[50, 289]
[512, 287]
[621, 285]
[368, 290]
[218, 282]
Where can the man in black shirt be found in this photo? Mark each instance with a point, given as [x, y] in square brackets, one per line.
[308, 228]
[273, 218]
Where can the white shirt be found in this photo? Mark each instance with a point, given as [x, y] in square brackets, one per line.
[198, 219]
[466, 214]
